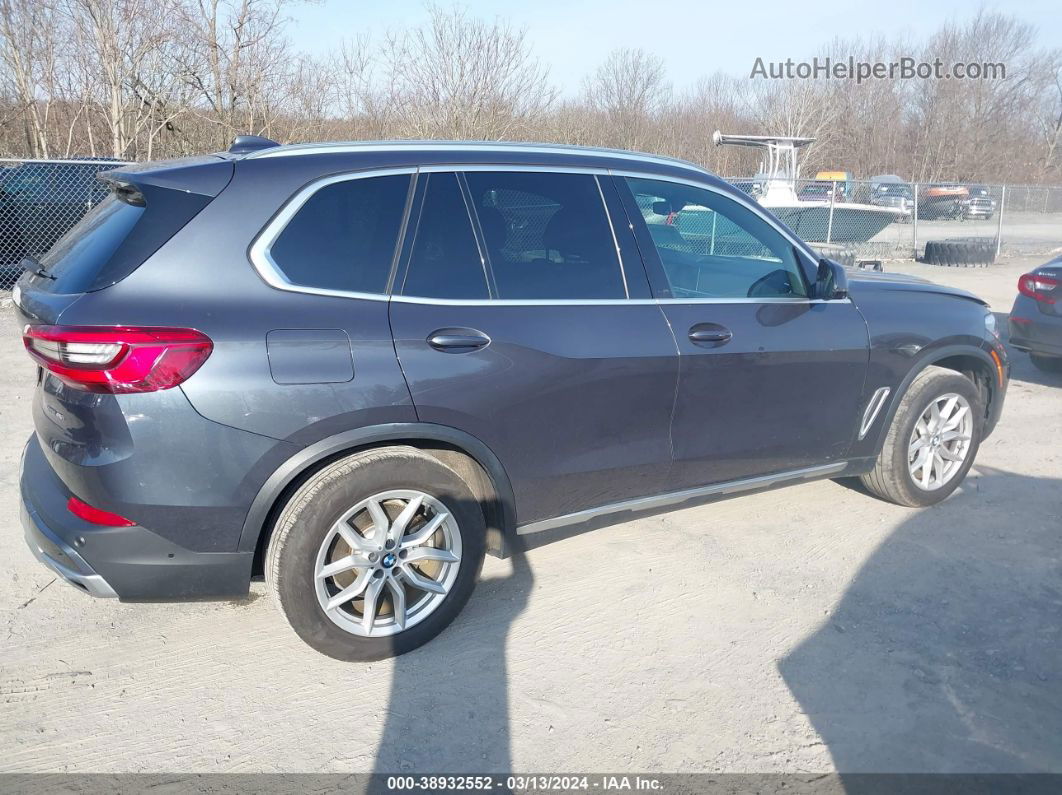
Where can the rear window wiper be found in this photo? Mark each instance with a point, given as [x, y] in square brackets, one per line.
[33, 266]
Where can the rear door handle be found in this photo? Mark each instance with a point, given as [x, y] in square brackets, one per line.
[710, 334]
[458, 340]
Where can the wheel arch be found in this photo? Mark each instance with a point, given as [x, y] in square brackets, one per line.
[472, 459]
[968, 360]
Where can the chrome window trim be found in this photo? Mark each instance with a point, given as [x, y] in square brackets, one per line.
[267, 267]
[675, 497]
[412, 299]
[274, 277]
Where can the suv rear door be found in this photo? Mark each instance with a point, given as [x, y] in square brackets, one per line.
[522, 316]
[770, 379]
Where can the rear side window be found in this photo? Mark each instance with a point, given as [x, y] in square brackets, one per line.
[343, 237]
[547, 235]
[445, 262]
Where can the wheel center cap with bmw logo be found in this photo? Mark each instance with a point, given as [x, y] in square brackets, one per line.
[389, 560]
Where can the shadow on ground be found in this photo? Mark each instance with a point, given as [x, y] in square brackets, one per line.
[945, 653]
[449, 704]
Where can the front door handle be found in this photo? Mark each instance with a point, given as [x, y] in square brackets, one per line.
[710, 334]
[458, 340]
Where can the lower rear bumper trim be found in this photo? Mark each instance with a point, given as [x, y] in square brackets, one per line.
[87, 580]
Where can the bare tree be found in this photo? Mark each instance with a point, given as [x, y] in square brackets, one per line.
[128, 49]
[1051, 126]
[235, 59]
[458, 77]
[29, 48]
[714, 103]
[365, 104]
[156, 78]
[628, 90]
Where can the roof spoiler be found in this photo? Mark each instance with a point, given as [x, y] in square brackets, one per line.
[206, 176]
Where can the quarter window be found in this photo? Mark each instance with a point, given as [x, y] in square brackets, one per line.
[547, 235]
[343, 237]
[445, 262]
[711, 246]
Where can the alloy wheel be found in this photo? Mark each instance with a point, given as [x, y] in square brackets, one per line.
[387, 563]
[940, 442]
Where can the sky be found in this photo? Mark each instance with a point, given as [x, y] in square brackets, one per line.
[694, 37]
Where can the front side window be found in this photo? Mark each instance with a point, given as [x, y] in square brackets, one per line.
[711, 246]
[343, 237]
[547, 235]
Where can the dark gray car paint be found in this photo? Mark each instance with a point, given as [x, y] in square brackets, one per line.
[571, 405]
[790, 370]
[576, 400]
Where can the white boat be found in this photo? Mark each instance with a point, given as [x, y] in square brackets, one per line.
[827, 221]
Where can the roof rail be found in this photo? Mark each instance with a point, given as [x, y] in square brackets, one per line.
[335, 147]
[242, 144]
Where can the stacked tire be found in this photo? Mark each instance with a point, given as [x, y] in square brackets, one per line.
[840, 254]
[961, 253]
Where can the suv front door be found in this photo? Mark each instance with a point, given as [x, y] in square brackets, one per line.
[770, 378]
[513, 321]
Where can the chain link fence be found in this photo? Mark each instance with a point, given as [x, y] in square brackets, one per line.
[886, 218]
[39, 201]
[854, 221]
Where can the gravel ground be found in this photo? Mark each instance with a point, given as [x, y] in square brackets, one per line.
[807, 629]
[1023, 234]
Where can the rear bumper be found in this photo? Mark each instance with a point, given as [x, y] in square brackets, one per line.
[1033, 335]
[50, 550]
[131, 563]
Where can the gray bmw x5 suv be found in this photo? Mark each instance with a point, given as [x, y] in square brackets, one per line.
[357, 368]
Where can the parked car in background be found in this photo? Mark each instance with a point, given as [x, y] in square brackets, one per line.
[842, 179]
[943, 201]
[979, 204]
[354, 368]
[821, 192]
[1036, 318]
[39, 202]
[892, 194]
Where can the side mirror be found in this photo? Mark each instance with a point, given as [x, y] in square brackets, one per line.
[831, 283]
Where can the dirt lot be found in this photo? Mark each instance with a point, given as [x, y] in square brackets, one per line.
[806, 629]
[1023, 234]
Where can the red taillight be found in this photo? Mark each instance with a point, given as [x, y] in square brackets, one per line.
[85, 511]
[1039, 288]
[118, 359]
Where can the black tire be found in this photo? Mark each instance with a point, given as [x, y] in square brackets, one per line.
[312, 510]
[971, 253]
[891, 478]
[1046, 364]
[839, 253]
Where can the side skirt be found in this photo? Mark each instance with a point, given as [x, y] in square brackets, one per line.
[686, 495]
